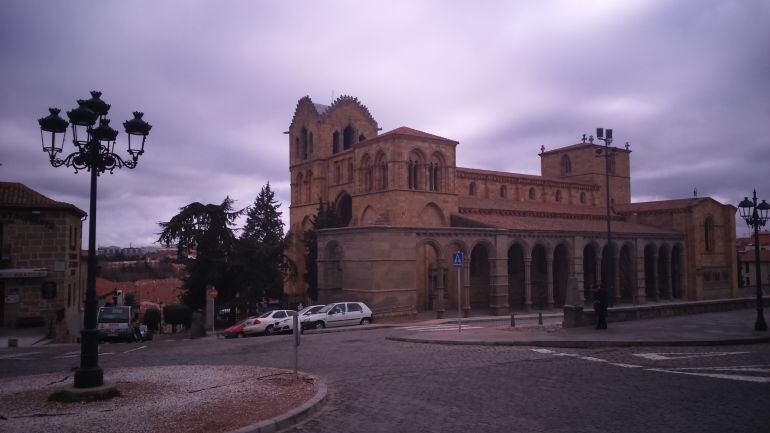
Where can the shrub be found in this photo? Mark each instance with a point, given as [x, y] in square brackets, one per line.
[177, 314]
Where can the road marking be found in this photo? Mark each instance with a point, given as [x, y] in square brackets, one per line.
[429, 328]
[134, 350]
[743, 368]
[592, 359]
[19, 355]
[738, 377]
[662, 356]
[618, 364]
[78, 354]
[543, 350]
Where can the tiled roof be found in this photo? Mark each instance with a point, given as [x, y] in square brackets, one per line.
[414, 133]
[529, 177]
[165, 290]
[530, 207]
[653, 206]
[748, 256]
[14, 194]
[529, 223]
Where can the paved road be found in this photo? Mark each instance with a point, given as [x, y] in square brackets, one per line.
[384, 386]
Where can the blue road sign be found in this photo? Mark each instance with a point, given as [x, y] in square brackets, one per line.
[457, 259]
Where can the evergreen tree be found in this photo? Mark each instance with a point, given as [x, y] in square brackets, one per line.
[261, 261]
[208, 230]
[326, 218]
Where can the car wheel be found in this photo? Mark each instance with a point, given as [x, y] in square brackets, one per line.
[269, 330]
[366, 321]
[320, 325]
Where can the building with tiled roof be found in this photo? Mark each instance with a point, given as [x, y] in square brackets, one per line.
[529, 241]
[41, 272]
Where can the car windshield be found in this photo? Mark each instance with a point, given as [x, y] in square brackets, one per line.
[310, 310]
[266, 314]
[326, 308]
[113, 315]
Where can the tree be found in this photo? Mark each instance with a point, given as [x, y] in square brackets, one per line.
[326, 218]
[261, 260]
[207, 229]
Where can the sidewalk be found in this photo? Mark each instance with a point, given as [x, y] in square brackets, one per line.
[724, 328]
[25, 337]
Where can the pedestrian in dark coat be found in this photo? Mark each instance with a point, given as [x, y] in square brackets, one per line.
[601, 302]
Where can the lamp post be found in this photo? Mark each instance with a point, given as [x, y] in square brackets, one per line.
[93, 152]
[755, 216]
[608, 153]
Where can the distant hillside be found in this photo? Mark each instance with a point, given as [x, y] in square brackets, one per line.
[140, 270]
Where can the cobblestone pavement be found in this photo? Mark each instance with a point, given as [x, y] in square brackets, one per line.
[386, 386]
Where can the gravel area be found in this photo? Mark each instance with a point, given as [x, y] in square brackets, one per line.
[198, 398]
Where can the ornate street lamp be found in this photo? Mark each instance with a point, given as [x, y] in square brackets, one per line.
[755, 216]
[93, 152]
[608, 153]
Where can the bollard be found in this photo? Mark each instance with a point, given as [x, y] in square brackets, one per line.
[513, 321]
[539, 318]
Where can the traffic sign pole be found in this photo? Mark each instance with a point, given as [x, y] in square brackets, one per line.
[457, 263]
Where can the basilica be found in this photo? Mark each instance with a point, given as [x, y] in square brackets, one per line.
[528, 242]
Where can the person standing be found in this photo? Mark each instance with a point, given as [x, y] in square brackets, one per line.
[601, 302]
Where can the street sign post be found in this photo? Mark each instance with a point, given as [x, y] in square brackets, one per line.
[457, 263]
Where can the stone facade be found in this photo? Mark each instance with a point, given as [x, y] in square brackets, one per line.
[529, 241]
[42, 276]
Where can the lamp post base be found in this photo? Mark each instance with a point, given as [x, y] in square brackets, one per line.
[89, 374]
[760, 324]
[89, 377]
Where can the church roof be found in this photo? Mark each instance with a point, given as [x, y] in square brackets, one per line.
[18, 195]
[461, 171]
[661, 205]
[414, 133]
[321, 108]
[531, 207]
[529, 223]
[582, 145]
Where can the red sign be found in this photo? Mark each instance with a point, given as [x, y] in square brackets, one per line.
[213, 293]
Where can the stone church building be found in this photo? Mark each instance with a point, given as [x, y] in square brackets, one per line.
[407, 206]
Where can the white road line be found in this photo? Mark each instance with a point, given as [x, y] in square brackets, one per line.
[738, 377]
[18, 355]
[543, 350]
[592, 359]
[743, 368]
[662, 356]
[618, 364]
[442, 326]
[574, 355]
[447, 329]
[134, 350]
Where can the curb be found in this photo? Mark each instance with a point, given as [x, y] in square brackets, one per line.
[589, 344]
[291, 417]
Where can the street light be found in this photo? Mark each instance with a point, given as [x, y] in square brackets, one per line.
[93, 152]
[608, 153]
[755, 216]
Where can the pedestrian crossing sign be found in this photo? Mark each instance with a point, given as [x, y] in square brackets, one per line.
[457, 259]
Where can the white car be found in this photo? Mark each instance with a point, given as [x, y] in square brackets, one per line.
[339, 314]
[287, 324]
[265, 323]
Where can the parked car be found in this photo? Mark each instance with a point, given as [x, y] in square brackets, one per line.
[339, 314]
[287, 324]
[265, 323]
[236, 331]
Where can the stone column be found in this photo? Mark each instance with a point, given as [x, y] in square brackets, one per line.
[599, 274]
[528, 283]
[616, 278]
[577, 264]
[655, 275]
[641, 287]
[440, 275]
[498, 282]
[669, 277]
[549, 277]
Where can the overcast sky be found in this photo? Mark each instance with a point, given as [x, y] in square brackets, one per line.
[687, 83]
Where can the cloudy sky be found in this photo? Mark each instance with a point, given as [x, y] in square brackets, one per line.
[687, 83]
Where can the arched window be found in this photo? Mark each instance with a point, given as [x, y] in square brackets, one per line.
[350, 170]
[532, 194]
[582, 197]
[338, 172]
[347, 137]
[381, 167]
[503, 191]
[299, 188]
[384, 175]
[335, 142]
[366, 173]
[566, 165]
[434, 172]
[472, 189]
[361, 137]
[414, 166]
[309, 182]
[310, 146]
[303, 143]
[558, 195]
[708, 233]
[298, 149]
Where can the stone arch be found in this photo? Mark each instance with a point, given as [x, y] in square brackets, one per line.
[428, 271]
[557, 195]
[335, 142]
[381, 170]
[367, 173]
[627, 271]
[677, 271]
[435, 172]
[368, 216]
[664, 272]
[432, 216]
[415, 165]
[561, 273]
[503, 191]
[582, 197]
[472, 189]
[516, 276]
[532, 194]
[539, 275]
[650, 274]
[343, 204]
[348, 137]
[590, 262]
[479, 269]
[566, 165]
